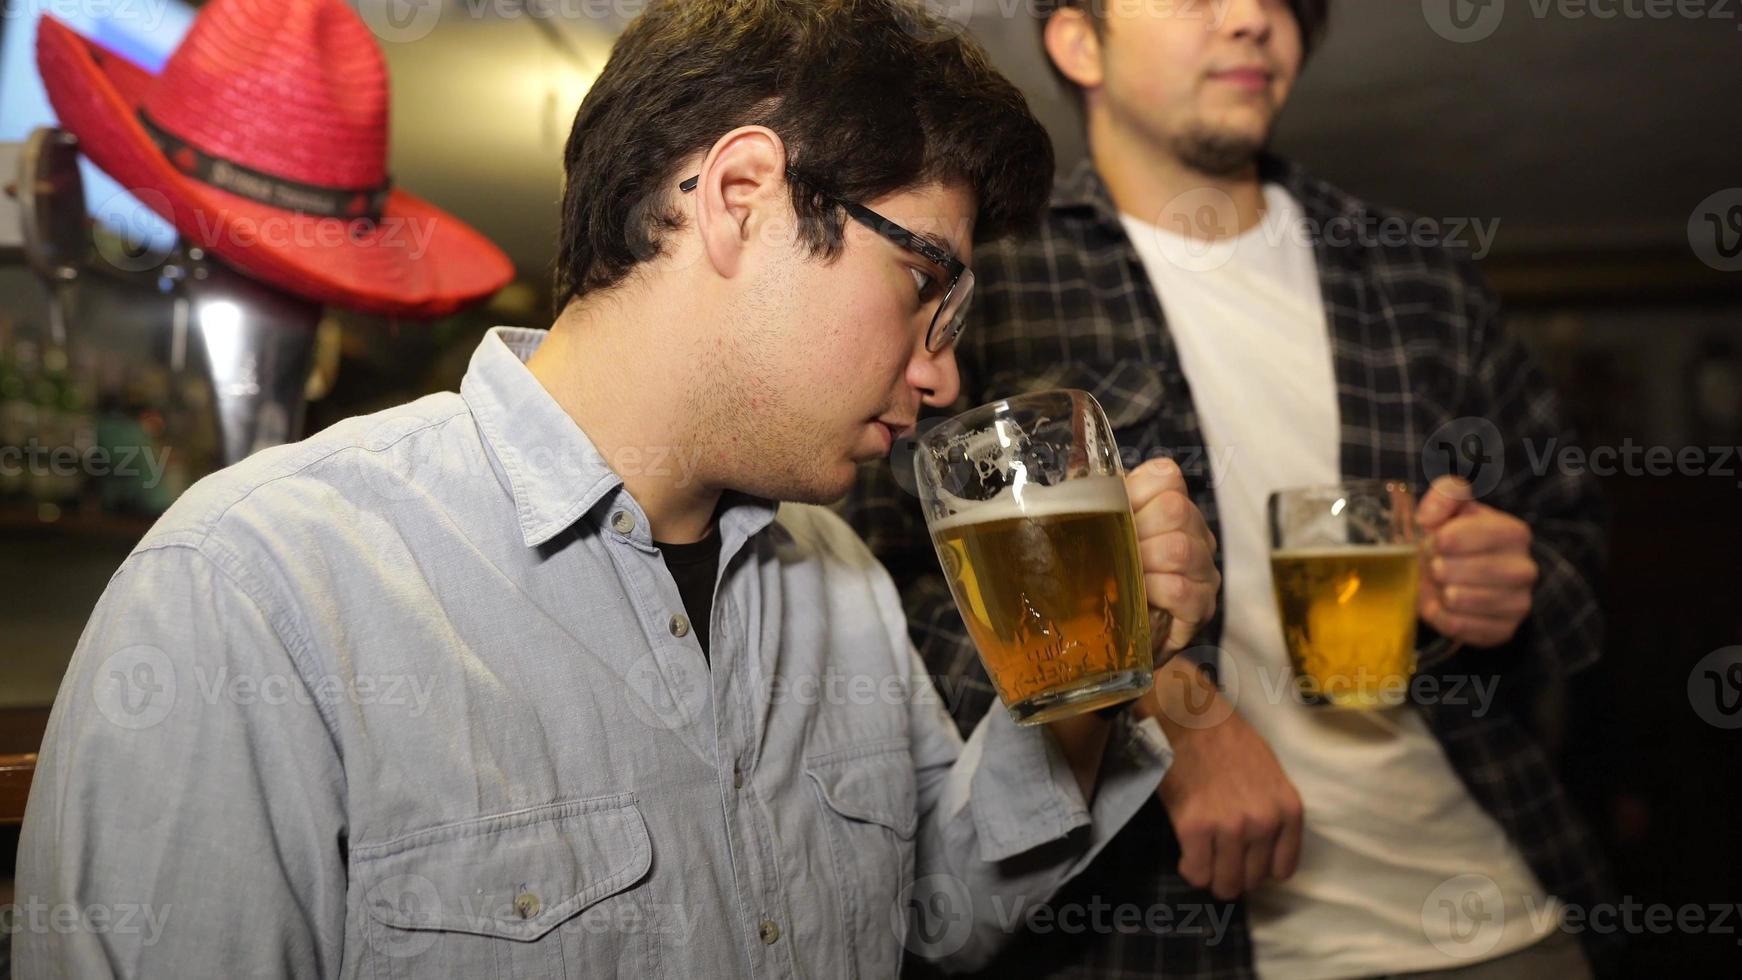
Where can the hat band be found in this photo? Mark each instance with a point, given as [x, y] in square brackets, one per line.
[264, 188]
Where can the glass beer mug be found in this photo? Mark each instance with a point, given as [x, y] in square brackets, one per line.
[1025, 500]
[1346, 567]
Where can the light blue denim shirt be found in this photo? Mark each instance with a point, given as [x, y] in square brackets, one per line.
[417, 698]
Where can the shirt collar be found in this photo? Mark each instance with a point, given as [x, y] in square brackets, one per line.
[554, 471]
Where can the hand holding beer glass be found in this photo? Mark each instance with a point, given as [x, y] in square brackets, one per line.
[1026, 503]
[1346, 567]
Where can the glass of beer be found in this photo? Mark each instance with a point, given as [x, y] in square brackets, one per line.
[1346, 567]
[1025, 500]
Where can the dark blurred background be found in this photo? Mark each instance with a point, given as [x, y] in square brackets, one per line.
[1608, 150]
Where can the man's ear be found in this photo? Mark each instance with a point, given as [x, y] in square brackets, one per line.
[741, 197]
[1073, 46]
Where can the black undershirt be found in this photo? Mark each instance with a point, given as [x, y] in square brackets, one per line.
[693, 567]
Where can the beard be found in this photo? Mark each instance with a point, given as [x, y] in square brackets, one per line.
[1217, 153]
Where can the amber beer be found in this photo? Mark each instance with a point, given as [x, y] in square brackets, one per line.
[1052, 594]
[1348, 619]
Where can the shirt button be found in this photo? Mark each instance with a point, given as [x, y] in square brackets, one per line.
[768, 932]
[737, 777]
[680, 626]
[623, 522]
[526, 905]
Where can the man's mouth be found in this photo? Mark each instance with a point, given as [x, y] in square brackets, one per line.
[892, 432]
[1252, 79]
[898, 429]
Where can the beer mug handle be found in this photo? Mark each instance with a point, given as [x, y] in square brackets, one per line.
[1160, 625]
[1444, 647]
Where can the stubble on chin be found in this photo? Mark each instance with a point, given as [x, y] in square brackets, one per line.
[1218, 153]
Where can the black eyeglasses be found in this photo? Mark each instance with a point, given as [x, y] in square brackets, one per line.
[951, 316]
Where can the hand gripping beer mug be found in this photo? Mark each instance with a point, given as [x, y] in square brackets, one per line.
[1025, 500]
[1346, 567]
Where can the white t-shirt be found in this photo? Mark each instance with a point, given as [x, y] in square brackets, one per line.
[1387, 822]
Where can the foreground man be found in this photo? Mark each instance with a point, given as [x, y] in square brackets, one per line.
[538, 679]
[1238, 314]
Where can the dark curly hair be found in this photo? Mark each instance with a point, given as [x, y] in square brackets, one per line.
[870, 96]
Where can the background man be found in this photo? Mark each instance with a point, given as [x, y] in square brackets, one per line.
[1224, 307]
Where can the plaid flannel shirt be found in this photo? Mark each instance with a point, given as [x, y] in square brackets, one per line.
[1422, 361]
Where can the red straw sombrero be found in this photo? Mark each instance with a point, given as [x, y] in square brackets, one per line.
[264, 140]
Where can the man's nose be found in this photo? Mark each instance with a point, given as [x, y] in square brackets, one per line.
[1249, 19]
[936, 377]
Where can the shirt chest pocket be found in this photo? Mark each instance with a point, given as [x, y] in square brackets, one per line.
[548, 892]
[870, 809]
